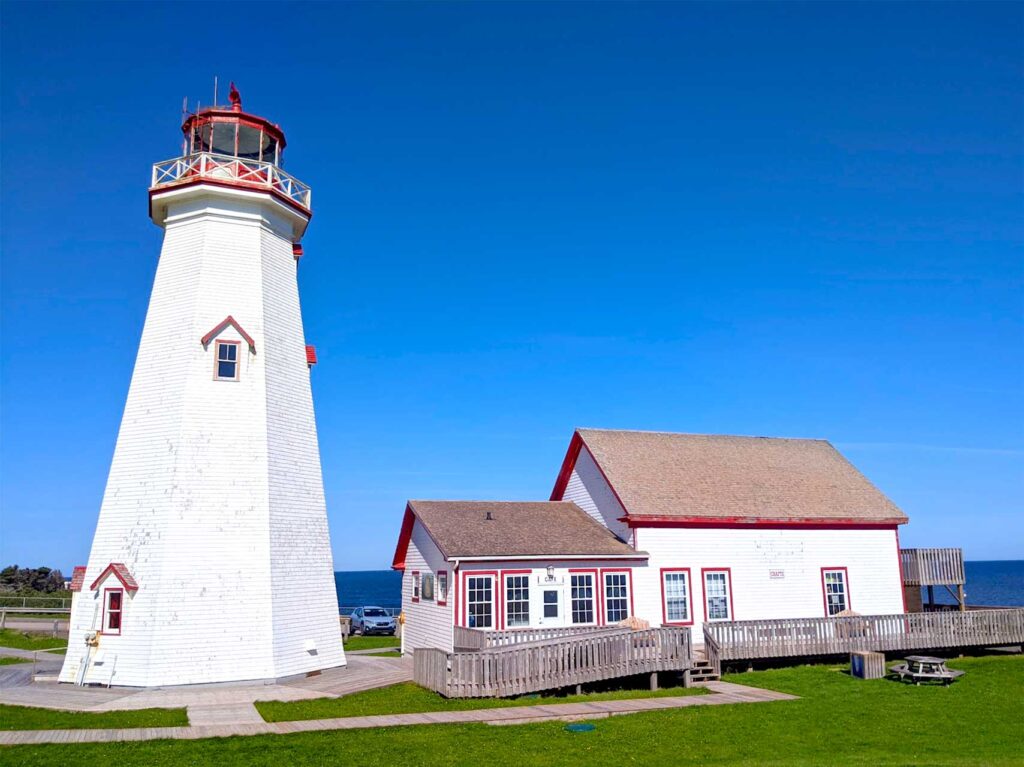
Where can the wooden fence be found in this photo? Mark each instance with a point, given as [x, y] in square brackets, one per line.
[551, 663]
[932, 567]
[479, 639]
[795, 637]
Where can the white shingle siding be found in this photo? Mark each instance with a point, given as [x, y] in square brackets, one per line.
[215, 499]
[870, 557]
[589, 490]
[427, 624]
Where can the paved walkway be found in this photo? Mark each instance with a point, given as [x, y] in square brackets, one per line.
[724, 693]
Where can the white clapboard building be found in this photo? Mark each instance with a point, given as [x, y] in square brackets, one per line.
[211, 560]
[695, 528]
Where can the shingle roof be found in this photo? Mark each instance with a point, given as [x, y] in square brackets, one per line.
[541, 528]
[78, 578]
[740, 479]
[120, 571]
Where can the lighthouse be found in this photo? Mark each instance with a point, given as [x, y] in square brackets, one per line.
[211, 560]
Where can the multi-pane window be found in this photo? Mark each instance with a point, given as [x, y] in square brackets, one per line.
[114, 607]
[479, 601]
[836, 599]
[717, 599]
[227, 361]
[550, 603]
[582, 597]
[442, 587]
[517, 600]
[616, 597]
[675, 590]
[415, 586]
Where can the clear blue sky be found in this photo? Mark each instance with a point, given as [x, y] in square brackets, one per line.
[787, 220]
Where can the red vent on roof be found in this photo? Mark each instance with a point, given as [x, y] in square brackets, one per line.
[297, 251]
[78, 578]
[310, 355]
[120, 571]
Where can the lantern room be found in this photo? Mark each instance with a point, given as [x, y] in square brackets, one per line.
[230, 132]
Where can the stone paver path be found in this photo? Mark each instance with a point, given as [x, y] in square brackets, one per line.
[724, 693]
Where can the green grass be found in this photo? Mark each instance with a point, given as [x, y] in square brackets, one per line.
[838, 721]
[21, 640]
[8, 661]
[371, 642]
[409, 698]
[25, 718]
[382, 654]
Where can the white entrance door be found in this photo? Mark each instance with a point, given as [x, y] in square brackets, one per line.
[552, 608]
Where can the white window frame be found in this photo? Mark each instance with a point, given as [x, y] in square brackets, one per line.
[844, 592]
[681, 574]
[237, 361]
[415, 585]
[727, 582]
[626, 598]
[521, 583]
[492, 579]
[574, 599]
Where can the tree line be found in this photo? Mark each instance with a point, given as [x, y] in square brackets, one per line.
[14, 578]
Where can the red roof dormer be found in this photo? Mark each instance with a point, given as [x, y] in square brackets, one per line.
[120, 571]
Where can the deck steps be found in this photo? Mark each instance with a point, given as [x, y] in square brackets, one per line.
[702, 671]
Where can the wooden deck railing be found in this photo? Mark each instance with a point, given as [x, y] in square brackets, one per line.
[932, 567]
[834, 636]
[480, 639]
[548, 664]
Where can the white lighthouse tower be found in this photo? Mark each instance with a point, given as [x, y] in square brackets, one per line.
[211, 560]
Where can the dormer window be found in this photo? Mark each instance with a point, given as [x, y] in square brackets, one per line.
[227, 361]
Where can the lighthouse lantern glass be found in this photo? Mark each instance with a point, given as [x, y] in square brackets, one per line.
[233, 138]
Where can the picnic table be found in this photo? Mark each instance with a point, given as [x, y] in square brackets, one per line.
[923, 668]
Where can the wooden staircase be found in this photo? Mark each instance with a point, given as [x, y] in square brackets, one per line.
[703, 671]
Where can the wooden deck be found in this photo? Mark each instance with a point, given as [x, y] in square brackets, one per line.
[513, 667]
[932, 567]
[787, 638]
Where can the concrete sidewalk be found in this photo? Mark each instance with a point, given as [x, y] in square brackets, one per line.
[239, 720]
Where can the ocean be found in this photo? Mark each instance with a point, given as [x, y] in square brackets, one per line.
[988, 583]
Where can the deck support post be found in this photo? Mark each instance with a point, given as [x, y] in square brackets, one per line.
[688, 678]
[654, 680]
[960, 597]
[931, 595]
[579, 689]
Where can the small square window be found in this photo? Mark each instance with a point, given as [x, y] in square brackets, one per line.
[226, 365]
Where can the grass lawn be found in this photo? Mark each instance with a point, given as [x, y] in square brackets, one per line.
[21, 640]
[383, 654]
[371, 642]
[8, 661]
[838, 721]
[409, 698]
[25, 718]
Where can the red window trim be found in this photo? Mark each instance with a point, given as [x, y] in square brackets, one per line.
[441, 597]
[598, 596]
[629, 585]
[495, 595]
[704, 592]
[504, 589]
[689, 596]
[216, 360]
[106, 603]
[846, 588]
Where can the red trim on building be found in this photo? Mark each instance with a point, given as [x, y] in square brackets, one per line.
[120, 620]
[598, 596]
[576, 444]
[899, 564]
[704, 592]
[398, 561]
[441, 597]
[604, 585]
[248, 186]
[417, 586]
[120, 571]
[455, 595]
[689, 595]
[846, 588]
[229, 115]
[297, 251]
[229, 320]
[495, 603]
[741, 523]
[78, 578]
[310, 355]
[501, 578]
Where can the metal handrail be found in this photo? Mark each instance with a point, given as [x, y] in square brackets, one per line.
[222, 167]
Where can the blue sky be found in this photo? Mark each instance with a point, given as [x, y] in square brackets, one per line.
[785, 220]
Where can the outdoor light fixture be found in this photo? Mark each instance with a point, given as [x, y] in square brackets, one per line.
[551, 572]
